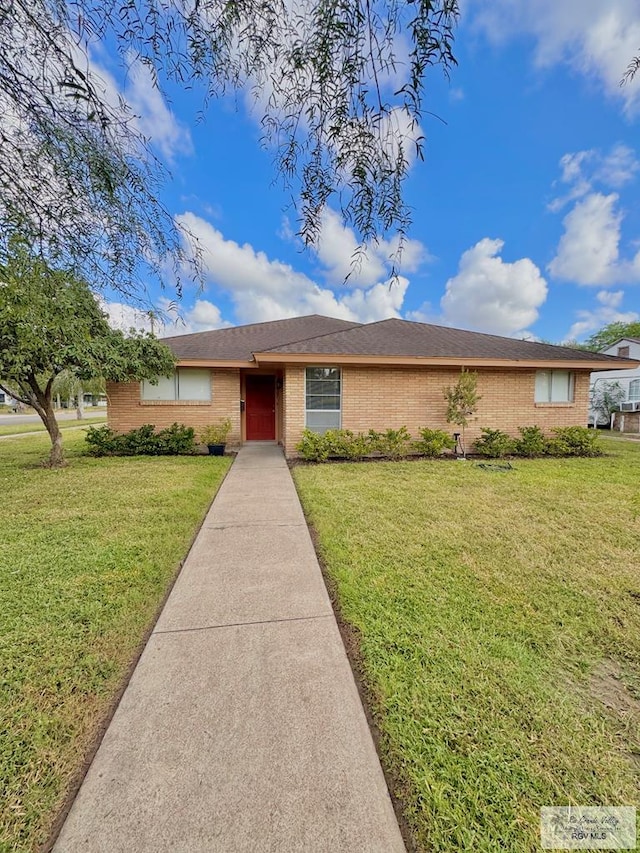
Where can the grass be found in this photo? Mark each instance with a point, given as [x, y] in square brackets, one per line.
[87, 555]
[497, 617]
[23, 429]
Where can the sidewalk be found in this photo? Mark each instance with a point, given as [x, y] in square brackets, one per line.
[241, 728]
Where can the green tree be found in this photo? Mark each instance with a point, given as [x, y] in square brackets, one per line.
[462, 401]
[341, 85]
[50, 323]
[69, 387]
[611, 333]
[605, 400]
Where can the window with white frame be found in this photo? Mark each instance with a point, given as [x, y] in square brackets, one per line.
[634, 390]
[323, 393]
[554, 386]
[186, 383]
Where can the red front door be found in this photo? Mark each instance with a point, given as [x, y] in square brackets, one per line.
[260, 406]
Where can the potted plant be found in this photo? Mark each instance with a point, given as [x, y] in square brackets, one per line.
[215, 436]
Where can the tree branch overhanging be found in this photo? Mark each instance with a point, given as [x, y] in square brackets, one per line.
[80, 180]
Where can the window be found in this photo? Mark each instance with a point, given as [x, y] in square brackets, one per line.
[634, 390]
[322, 398]
[187, 383]
[554, 386]
[623, 352]
[194, 384]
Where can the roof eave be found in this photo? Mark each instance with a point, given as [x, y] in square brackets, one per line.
[449, 361]
[214, 362]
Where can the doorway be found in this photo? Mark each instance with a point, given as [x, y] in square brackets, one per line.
[260, 407]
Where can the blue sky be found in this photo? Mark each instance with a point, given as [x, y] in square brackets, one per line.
[525, 210]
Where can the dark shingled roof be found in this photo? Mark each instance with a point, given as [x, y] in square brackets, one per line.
[404, 338]
[238, 343]
[317, 335]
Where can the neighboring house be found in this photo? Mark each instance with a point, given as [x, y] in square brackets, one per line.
[628, 420]
[94, 399]
[274, 379]
[7, 400]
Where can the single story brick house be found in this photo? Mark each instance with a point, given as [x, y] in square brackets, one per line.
[273, 379]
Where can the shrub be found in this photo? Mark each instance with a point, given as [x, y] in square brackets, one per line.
[347, 445]
[434, 442]
[375, 441]
[313, 447]
[574, 441]
[394, 443]
[216, 433]
[532, 442]
[175, 440]
[494, 443]
[344, 444]
[335, 443]
[99, 440]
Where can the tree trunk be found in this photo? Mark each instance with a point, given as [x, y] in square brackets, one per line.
[80, 403]
[56, 456]
[42, 402]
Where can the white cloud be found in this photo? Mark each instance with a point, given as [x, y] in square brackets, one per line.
[596, 39]
[571, 166]
[379, 302]
[400, 134]
[582, 169]
[201, 317]
[148, 109]
[337, 250]
[606, 312]
[610, 298]
[492, 295]
[125, 317]
[588, 251]
[166, 319]
[424, 314]
[618, 167]
[154, 118]
[264, 289]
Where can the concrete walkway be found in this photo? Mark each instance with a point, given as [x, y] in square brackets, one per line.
[241, 728]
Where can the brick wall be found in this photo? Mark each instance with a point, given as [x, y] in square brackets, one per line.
[292, 408]
[379, 398]
[127, 411]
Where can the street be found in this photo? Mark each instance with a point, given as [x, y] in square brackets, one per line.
[65, 415]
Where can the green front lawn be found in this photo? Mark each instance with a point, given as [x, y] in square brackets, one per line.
[23, 429]
[87, 554]
[497, 617]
